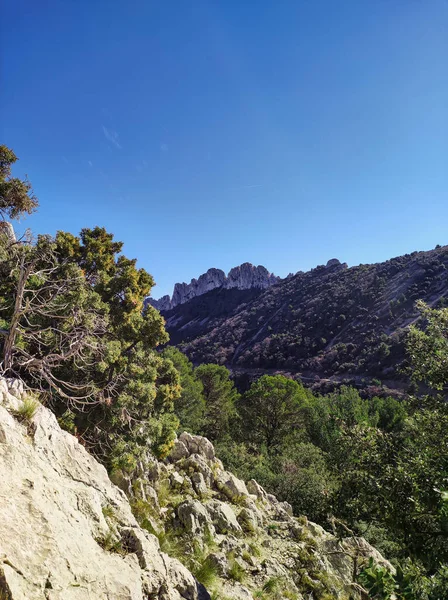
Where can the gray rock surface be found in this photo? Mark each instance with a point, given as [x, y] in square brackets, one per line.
[223, 517]
[247, 276]
[197, 444]
[244, 277]
[55, 540]
[194, 517]
[7, 229]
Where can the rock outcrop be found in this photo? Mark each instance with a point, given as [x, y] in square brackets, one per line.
[7, 229]
[68, 533]
[242, 540]
[163, 303]
[335, 262]
[244, 277]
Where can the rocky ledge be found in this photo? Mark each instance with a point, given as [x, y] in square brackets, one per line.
[68, 533]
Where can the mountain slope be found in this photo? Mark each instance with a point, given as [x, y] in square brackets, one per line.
[332, 321]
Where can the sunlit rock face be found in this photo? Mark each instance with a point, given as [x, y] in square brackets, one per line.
[247, 276]
[244, 277]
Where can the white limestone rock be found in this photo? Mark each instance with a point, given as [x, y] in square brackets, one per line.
[243, 277]
[223, 517]
[52, 524]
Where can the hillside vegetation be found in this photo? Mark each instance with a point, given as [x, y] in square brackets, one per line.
[333, 321]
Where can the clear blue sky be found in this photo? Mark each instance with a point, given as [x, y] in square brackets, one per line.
[209, 133]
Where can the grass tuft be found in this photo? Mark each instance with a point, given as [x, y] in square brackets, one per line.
[110, 543]
[236, 572]
[27, 409]
[276, 588]
[108, 512]
[206, 573]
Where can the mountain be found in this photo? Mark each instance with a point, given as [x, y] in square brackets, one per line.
[68, 533]
[331, 322]
[244, 277]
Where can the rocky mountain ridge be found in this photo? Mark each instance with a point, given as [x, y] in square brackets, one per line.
[330, 322]
[243, 277]
[68, 533]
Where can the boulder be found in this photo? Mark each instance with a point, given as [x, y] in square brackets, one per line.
[223, 517]
[179, 451]
[198, 464]
[199, 485]
[255, 488]
[231, 486]
[197, 444]
[181, 579]
[248, 520]
[287, 508]
[219, 562]
[176, 480]
[194, 517]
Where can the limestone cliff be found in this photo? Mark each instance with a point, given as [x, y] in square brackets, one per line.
[244, 277]
[68, 533]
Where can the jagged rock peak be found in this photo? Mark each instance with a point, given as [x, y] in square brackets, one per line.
[210, 280]
[163, 303]
[335, 262]
[244, 277]
[248, 276]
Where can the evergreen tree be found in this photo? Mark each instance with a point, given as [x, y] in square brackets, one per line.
[190, 406]
[271, 409]
[220, 397]
[16, 196]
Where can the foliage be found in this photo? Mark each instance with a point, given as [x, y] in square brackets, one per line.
[220, 397]
[409, 582]
[16, 196]
[190, 406]
[304, 480]
[378, 581]
[75, 326]
[51, 317]
[272, 408]
[428, 349]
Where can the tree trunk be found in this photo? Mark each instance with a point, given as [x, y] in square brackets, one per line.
[10, 340]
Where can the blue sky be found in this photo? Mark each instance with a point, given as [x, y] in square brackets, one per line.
[209, 133]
